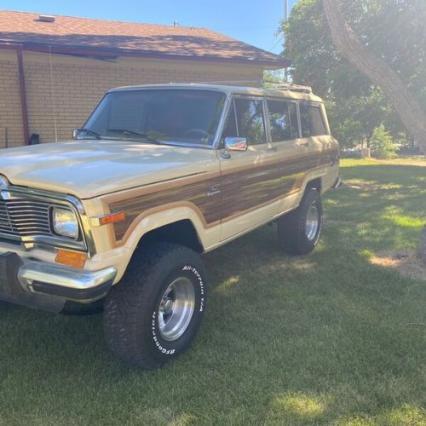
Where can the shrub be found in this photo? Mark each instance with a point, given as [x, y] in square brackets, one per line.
[382, 144]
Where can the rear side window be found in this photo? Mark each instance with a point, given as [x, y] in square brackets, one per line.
[283, 120]
[250, 122]
[312, 120]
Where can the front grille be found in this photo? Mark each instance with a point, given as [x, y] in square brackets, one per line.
[25, 217]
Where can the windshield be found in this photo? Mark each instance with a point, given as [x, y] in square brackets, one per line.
[165, 115]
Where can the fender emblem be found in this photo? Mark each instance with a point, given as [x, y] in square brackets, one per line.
[213, 190]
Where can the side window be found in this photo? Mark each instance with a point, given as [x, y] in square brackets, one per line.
[317, 121]
[311, 120]
[283, 120]
[250, 120]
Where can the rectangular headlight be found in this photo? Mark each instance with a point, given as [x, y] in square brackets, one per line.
[65, 222]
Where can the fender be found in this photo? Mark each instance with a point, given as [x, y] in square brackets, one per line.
[120, 252]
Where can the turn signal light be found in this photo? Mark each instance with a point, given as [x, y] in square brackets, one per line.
[74, 259]
[112, 218]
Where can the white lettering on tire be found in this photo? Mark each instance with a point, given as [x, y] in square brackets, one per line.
[162, 349]
[200, 281]
[155, 338]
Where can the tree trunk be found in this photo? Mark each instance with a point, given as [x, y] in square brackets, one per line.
[348, 45]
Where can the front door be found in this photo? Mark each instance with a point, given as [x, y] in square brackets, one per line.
[247, 186]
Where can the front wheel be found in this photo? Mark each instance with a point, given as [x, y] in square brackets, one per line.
[154, 313]
[300, 230]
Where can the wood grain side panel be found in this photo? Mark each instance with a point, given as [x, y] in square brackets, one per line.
[253, 187]
[240, 191]
[195, 193]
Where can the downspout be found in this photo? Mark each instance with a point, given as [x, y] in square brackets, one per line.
[23, 94]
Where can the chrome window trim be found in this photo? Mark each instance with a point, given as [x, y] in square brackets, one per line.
[85, 244]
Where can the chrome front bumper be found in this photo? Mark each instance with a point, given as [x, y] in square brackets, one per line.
[48, 286]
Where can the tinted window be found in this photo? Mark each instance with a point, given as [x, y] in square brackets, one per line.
[311, 120]
[189, 116]
[283, 120]
[250, 120]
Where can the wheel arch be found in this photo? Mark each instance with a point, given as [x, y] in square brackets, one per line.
[181, 232]
[177, 224]
[315, 183]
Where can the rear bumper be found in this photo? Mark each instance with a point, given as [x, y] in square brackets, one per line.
[48, 286]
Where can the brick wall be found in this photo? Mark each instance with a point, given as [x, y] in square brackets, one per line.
[11, 132]
[62, 90]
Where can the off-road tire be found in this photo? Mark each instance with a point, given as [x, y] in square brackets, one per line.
[292, 234]
[131, 309]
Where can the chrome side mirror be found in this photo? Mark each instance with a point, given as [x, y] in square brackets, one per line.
[236, 144]
[75, 133]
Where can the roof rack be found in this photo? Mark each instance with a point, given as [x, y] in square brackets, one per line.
[233, 82]
[290, 86]
[260, 84]
[267, 85]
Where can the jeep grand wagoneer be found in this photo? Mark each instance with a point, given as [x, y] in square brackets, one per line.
[157, 176]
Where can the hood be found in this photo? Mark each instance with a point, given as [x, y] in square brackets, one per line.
[89, 168]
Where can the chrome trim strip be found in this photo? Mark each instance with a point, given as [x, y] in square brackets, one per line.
[62, 276]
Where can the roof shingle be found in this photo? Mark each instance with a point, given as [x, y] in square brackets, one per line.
[67, 33]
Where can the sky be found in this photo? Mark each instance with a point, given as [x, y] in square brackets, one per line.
[254, 21]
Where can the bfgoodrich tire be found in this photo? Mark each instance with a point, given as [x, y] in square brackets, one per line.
[154, 313]
[300, 230]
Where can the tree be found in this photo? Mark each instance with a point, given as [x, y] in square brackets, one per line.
[355, 106]
[382, 144]
[393, 29]
[377, 70]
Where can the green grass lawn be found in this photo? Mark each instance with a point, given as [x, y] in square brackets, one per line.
[325, 339]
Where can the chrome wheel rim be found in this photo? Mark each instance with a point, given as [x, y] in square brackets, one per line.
[176, 309]
[312, 222]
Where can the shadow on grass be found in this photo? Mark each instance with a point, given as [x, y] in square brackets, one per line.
[316, 340]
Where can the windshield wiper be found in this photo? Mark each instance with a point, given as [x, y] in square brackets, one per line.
[89, 132]
[138, 134]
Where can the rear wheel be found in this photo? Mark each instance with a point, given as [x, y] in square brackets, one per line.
[300, 230]
[153, 315]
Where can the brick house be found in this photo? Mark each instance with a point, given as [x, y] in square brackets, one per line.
[53, 70]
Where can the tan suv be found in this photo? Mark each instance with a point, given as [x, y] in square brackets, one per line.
[159, 175]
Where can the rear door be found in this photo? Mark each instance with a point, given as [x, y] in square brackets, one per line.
[291, 151]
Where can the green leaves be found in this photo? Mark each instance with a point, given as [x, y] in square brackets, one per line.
[392, 29]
